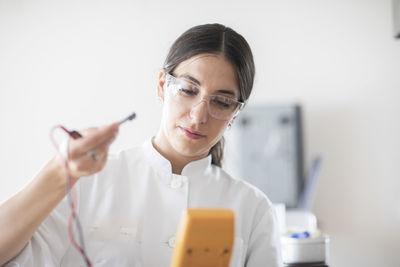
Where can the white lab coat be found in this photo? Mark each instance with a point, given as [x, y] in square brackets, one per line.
[131, 209]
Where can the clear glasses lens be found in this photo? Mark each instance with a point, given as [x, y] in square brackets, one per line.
[186, 93]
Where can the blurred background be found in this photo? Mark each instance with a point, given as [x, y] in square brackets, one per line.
[86, 63]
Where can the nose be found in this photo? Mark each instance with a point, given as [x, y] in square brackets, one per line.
[199, 112]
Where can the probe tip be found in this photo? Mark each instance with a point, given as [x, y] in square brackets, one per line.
[129, 118]
[132, 116]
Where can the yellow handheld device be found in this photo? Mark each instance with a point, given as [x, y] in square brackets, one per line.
[204, 239]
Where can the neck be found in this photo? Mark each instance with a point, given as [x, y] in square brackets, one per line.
[178, 161]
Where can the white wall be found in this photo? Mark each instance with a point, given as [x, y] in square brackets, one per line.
[85, 63]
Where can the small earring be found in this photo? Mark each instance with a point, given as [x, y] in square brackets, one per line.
[229, 126]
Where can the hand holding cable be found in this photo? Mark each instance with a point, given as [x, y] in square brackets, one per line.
[87, 151]
[85, 154]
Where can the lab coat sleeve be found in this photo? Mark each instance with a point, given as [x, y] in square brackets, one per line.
[48, 244]
[264, 243]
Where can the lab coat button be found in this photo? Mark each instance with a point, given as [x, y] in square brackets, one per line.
[171, 242]
[175, 183]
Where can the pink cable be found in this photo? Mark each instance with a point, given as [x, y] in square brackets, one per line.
[73, 218]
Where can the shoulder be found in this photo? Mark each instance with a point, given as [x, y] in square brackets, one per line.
[243, 190]
[254, 212]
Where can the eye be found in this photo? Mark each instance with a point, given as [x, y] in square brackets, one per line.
[186, 89]
[187, 92]
[222, 102]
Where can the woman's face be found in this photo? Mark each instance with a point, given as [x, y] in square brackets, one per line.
[189, 130]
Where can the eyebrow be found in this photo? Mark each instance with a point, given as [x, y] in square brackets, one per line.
[222, 91]
[187, 76]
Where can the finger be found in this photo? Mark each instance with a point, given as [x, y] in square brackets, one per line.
[86, 166]
[93, 138]
[100, 152]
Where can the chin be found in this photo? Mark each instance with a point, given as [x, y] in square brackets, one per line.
[190, 149]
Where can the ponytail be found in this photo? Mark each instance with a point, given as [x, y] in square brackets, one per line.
[217, 152]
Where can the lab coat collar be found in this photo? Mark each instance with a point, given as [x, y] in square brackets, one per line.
[161, 164]
[201, 166]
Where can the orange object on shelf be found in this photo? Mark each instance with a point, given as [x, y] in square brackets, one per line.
[204, 239]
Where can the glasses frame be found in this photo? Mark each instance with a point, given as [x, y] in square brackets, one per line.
[169, 78]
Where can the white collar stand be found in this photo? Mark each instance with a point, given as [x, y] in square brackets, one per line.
[161, 164]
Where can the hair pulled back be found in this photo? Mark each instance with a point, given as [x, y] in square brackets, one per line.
[220, 40]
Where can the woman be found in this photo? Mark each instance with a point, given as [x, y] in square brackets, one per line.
[131, 204]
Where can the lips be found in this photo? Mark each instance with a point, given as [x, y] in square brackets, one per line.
[192, 134]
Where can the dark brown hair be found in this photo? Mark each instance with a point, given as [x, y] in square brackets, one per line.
[215, 39]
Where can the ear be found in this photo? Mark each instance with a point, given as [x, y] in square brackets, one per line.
[160, 85]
